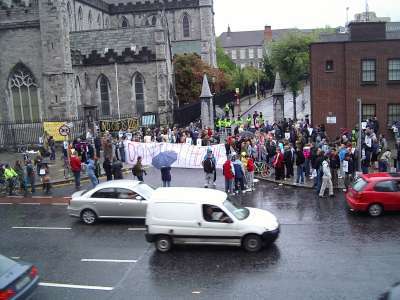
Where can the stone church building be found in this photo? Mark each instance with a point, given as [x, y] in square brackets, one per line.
[65, 58]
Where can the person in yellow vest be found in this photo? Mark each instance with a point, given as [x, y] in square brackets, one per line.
[10, 176]
[249, 120]
[261, 119]
[217, 124]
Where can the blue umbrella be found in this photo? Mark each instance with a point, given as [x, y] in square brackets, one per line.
[164, 159]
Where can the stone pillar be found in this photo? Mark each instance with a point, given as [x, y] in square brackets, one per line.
[278, 97]
[207, 111]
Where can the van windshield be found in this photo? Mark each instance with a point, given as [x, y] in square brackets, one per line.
[240, 213]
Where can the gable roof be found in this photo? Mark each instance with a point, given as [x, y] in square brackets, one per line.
[253, 38]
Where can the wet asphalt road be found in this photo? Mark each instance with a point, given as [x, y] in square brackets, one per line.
[323, 252]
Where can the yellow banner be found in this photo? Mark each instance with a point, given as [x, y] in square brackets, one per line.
[52, 130]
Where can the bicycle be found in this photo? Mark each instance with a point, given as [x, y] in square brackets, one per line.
[262, 168]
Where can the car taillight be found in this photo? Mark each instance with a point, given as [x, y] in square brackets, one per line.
[33, 272]
[7, 294]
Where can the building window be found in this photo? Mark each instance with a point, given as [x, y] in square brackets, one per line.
[251, 53]
[99, 21]
[70, 16]
[139, 94]
[186, 26]
[234, 54]
[107, 23]
[90, 19]
[124, 23]
[329, 66]
[368, 111]
[154, 21]
[260, 53]
[394, 69]
[80, 19]
[242, 53]
[393, 114]
[368, 69]
[105, 95]
[24, 96]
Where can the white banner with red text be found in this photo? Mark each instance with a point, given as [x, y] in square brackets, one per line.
[189, 156]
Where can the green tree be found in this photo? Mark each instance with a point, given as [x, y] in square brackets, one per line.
[268, 71]
[290, 56]
[224, 62]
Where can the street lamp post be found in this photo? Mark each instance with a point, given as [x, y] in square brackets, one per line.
[359, 148]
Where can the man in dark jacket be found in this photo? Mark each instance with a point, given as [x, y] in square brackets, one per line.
[300, 160]
[107, 167]
[334, 164]
[97, 145]
[117, 169]
[288, 159]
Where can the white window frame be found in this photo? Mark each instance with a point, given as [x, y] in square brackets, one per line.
[242, 53]
[234, 54]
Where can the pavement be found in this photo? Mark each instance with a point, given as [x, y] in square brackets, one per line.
[323, 252]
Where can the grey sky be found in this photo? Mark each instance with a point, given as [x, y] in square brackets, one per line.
[254, 14]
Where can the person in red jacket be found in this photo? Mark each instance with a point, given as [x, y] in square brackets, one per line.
[278, 165]
[250, 173]
[229, 173]
[75, 163]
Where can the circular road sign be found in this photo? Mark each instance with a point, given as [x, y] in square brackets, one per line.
[64, 130]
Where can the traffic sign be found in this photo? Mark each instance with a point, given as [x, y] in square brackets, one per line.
[64, 130]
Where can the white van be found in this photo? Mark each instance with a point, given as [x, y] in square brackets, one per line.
[206, 217]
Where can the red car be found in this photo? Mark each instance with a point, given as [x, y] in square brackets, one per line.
[375, 193]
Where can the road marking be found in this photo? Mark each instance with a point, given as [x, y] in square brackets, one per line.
[15, 257]
[42, 197]
[6, 203]
[137, 229]
[14, 196]
[109, 260]
[75, 286]
[29, 203]
[45, 228]
[196, 292]
[59, 204]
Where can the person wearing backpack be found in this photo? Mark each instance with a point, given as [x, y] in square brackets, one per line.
[30, 174]
[229, 173]
[209, 168]
[138, 169]
[239, 175]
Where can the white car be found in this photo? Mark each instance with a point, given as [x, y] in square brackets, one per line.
[206, 217]
[112, 199]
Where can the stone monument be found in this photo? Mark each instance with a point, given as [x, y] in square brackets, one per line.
[207, 110]
[278, 97]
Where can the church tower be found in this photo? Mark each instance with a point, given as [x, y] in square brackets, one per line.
[58, 77]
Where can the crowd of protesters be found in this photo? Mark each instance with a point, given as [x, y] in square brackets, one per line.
[280, 149]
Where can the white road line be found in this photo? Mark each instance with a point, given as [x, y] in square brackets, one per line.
[6, 203]
[60, 204]
[15, 257]
[75, 286]
[137, 229]
[29, 203]
[109, 260]
[15, 196]
[42, 197]
[44, 228]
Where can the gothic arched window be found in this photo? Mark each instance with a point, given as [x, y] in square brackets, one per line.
[80, 18]
[99, 21]
[77, 91]
[125, 23]
[69, 10]
[90, 21]
[186, 26]
[107, 23]
[104, 86]
[24, 94]
[154, 20]
[139, 94]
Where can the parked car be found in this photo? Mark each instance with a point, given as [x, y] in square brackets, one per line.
[375, 193]
[112, 199]
[206, 217]
[17, 279]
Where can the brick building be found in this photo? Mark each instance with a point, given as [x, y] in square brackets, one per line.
[60, 57]
[363, 63]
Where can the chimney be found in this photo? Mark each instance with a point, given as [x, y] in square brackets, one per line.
[229, 31]
[267, 34]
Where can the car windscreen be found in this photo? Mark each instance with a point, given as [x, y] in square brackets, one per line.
[5, 264]
[240, 213]
[144, 190]
[359, 184]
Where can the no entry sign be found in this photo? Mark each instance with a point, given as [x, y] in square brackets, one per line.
[64, 130]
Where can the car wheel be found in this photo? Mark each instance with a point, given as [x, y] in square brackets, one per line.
[88, 217]
[252, 243]
[163, 243]
[375, 210]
